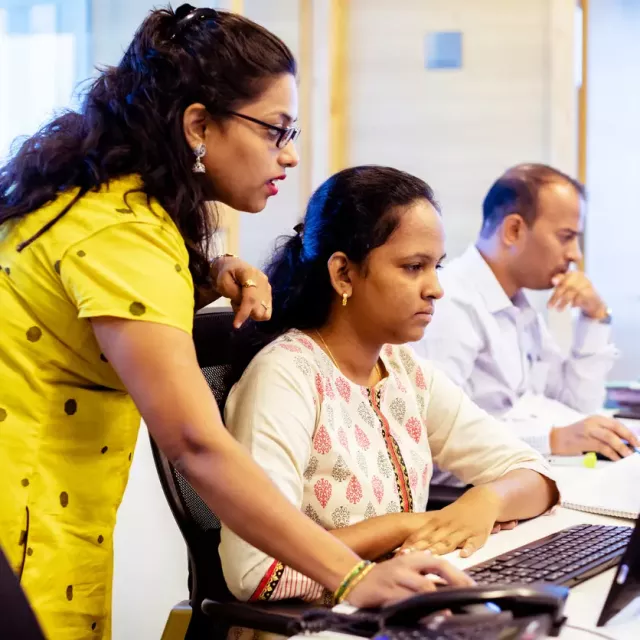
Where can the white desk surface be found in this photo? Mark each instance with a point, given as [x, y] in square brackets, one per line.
[585, 601]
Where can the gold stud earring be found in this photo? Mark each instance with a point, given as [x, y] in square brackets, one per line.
[345, 297]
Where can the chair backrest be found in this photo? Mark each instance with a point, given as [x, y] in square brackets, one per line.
[17, 619]
[215, 343]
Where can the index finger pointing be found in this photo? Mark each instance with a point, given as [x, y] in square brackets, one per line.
[244, 310]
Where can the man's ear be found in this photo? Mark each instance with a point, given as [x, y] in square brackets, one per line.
[339, 272]
[512, 229]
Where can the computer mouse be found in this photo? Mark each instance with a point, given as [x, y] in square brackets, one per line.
[601, 456]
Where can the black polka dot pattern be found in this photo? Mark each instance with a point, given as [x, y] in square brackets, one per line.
[34, 334]
[81, 254]
[93, 626]
[64, 499]
[7, 270]
[127, 210]
[178, 268]
[104, 449]
[70, 407]
[70, 593]
[103, 357]
[3, 414]
[29, 551]
[24, 482]
[100, 539]
[137, 309]
[129, 457]
[56, 266]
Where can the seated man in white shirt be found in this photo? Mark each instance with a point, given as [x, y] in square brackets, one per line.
[489, 340]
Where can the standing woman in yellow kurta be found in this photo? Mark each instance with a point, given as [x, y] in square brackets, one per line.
[103, 247]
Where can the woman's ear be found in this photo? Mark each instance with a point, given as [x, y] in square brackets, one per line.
[339, 272]
[194, 124]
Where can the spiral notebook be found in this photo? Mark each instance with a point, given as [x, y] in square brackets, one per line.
[613, 490]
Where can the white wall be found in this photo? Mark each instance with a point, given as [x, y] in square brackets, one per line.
[513, 100]
[613, 170]
[457, 129]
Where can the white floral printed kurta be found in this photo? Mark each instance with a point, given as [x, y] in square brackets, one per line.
[344, 453]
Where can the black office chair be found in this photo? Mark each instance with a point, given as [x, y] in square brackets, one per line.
[17, 619]
[217, 347]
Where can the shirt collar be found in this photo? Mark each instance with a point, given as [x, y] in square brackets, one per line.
[488, 286]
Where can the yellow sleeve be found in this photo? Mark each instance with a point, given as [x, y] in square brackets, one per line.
[133, 270]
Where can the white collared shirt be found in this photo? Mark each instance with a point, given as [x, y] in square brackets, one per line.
[501, 353]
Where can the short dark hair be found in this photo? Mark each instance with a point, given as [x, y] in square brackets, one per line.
[517, 191]
[354, 211]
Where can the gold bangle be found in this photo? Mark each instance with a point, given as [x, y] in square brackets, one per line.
[338, 595]
[356, 581]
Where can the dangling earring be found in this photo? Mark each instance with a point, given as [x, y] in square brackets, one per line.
[345, 297]
[200, 152]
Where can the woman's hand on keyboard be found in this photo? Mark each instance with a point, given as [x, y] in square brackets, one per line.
[504, 526]
[466, 524]
[404, 576]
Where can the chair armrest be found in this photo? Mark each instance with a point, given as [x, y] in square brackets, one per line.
[281, 617]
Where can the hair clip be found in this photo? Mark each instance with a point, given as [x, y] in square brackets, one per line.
[185, 14]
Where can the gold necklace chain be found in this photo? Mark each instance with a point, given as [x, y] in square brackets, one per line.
[326, 346]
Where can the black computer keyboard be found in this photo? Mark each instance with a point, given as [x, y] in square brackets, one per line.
[565, 558]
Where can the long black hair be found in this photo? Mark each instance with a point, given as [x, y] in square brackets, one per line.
[131, 119]
[354, 211]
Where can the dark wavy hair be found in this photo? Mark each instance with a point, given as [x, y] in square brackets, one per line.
[354, 211]
[131, 120]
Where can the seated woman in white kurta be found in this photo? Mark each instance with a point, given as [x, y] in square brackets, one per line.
[348, 422]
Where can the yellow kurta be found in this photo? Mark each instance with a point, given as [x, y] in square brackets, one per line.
[67, 425]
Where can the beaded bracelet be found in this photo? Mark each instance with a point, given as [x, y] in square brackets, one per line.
[353, 577]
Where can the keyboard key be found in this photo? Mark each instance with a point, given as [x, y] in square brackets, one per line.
[555, 576]
[513, 563]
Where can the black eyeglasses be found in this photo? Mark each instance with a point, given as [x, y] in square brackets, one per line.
[285, 134]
